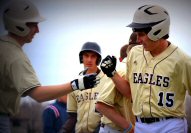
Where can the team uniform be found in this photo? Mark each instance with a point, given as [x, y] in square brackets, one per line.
[20, 80]
[110, 96]
[17, 77]
[158, 85]
[158, 73]
[83, 103]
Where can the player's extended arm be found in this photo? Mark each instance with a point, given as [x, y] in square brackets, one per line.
[44, 93]
[108, 66]
[70, 123]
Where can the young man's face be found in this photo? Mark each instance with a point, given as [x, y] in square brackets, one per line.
[33, 30]
[147, 43]
[89, 59]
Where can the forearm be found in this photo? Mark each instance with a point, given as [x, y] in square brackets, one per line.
[113, 115]
[45, 93]
[122, 85]
[70, 123]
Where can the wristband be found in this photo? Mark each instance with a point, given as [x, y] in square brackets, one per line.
[126, 130]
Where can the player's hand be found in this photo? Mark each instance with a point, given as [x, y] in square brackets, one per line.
[108, 65]
[86, 81]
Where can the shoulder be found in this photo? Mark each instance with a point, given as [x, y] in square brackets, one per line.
[137, 48]
[15, 52]
[52, 109]
[180, 55]
[135, 53]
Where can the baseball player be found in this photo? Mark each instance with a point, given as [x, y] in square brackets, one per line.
[158, 74]
[81, 104]
[17, 76]
[55, 115]
[116, 108]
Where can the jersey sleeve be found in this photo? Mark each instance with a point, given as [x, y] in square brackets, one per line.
[23, 76]
[186, 75]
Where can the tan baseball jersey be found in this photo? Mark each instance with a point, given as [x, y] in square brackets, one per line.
[159, 84]
[83, 103]
[16, 75]
[112, 97]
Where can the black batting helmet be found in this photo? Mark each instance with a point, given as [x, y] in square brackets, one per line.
[91, 46]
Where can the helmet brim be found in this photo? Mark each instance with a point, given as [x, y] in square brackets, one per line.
[143, 25]
[36, 19]
[140, 26]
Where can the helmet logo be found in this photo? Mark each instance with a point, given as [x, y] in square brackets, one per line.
[148, 12]
[20, 28]
[26, 8]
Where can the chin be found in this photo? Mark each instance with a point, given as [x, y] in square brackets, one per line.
[146, 49]
[28, 40]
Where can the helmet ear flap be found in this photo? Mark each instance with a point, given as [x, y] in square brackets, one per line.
[81, 57]
[16, 27]
[98, 60]
[160, 30]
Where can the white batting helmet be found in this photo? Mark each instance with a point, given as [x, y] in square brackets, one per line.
[154, 17]
[17, 14]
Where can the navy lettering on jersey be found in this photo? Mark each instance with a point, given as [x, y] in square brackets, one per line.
[87, 96]
[146, 78]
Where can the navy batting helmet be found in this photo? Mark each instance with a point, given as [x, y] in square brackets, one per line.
[91, 46]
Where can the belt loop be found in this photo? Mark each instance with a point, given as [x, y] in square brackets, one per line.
[102, 125]
[138, 119]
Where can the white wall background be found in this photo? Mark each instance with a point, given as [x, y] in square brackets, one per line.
[70, 23]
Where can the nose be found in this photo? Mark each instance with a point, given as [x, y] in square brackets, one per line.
[37, 29]
[139, 40]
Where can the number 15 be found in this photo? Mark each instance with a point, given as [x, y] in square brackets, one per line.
[169, 102]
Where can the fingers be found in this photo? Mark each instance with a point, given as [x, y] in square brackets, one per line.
[85, 69]
[97, 80]
[111, 57]
[94, 80]
[107, 62]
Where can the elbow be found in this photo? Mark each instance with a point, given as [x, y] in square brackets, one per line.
[39, 100]
[128, 95]
[35, 94]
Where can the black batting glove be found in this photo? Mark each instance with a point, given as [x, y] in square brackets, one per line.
[108, 65]
[86, 81]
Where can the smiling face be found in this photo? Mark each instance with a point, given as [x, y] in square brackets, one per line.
[154, 47]
[147, 43]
